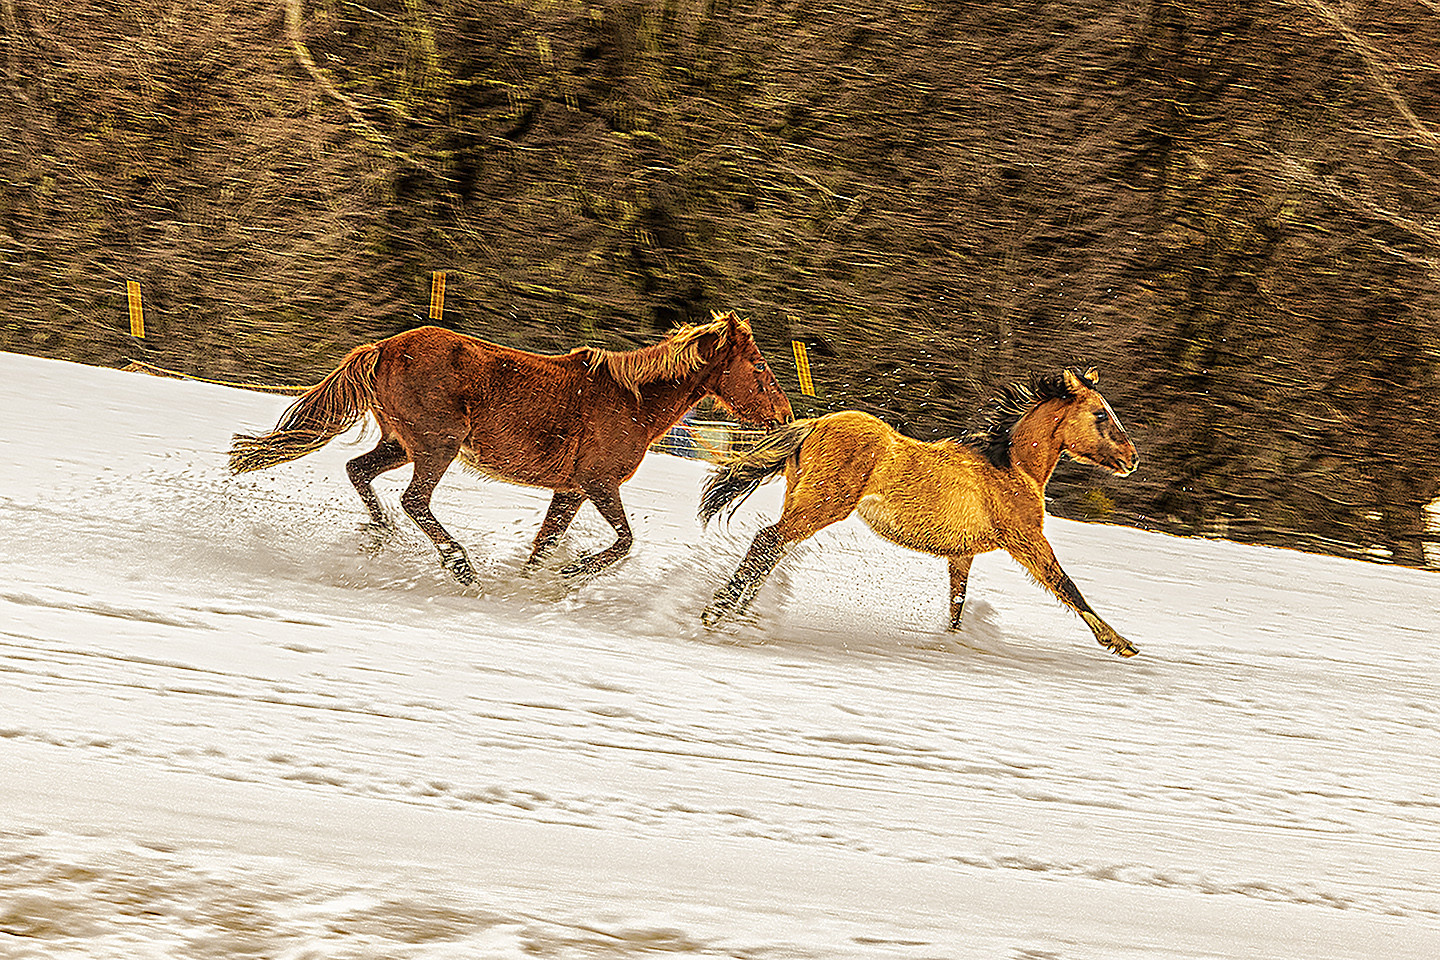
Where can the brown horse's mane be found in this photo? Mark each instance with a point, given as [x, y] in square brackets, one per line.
[677, 356]
[1002, 411]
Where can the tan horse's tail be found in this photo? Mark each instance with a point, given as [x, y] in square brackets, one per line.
[737, 478]
[321, 414]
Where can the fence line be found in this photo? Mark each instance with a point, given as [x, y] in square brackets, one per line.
[140, 366]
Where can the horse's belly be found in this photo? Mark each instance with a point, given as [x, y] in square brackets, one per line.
[537, 470]
[927, 531]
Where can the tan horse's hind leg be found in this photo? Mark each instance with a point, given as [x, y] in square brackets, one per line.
[1036, 556]
[959, 577]
[765, 551]
[810, 505]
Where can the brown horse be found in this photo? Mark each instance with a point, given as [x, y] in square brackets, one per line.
[952, 498]
[577, 423]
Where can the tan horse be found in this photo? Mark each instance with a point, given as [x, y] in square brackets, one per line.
[577, 423]
[952, 498]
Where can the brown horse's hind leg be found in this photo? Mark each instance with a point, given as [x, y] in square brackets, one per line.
[1035, 555]
[607, 501]
[563, 507]
[388, 455]
[959, 578]
[429, 468]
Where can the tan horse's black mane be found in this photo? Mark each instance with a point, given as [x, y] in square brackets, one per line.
[1002, 411]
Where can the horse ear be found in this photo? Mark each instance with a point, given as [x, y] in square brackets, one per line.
[732, 324]
[1072, 382]
[1093, 375]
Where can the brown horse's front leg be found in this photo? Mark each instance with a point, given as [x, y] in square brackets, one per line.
[959, 577]
[607, 501]
[1036, 556]
[563, 507]
[737, 593]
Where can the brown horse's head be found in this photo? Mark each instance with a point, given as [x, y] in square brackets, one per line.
[1089, 431]
[741, 379]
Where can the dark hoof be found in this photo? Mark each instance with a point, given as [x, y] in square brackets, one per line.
[730, 599]
[579, 569]
[374, 537]
[459, 566]
[589, 566]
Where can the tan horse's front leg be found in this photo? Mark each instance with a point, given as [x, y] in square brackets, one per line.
[1036, 556]
[959, 577]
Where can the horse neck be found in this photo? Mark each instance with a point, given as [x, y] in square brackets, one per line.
[1035, 442]
[662, 402]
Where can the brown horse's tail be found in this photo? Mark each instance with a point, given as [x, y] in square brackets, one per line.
[321, 414]
[737, 478]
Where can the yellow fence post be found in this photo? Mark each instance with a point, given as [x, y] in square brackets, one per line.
[802, 368]
[137, 312]
[437, 294]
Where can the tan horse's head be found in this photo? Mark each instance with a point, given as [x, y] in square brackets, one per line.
[742, 380]
[1089, 431]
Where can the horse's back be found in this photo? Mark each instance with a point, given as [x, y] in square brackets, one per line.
[516, 414]
[937, 497]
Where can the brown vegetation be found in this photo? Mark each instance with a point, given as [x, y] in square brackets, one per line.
[1232, 207]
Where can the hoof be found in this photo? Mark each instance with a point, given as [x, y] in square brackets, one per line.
[1122, 648]
[578, 569]
[459, 566]
[374, 537]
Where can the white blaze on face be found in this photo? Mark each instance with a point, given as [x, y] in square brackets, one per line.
[1111, 413]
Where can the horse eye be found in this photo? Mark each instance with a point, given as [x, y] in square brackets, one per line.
[760, 366]
[1101, 416]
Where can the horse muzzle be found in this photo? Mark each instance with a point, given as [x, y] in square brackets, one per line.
[1125, 467]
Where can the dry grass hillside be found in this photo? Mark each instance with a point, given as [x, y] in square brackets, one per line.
[1232, 207]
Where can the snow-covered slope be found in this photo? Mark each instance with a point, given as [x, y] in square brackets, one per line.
[232, 725]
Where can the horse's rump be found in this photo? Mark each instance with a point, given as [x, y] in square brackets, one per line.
[735, 479]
